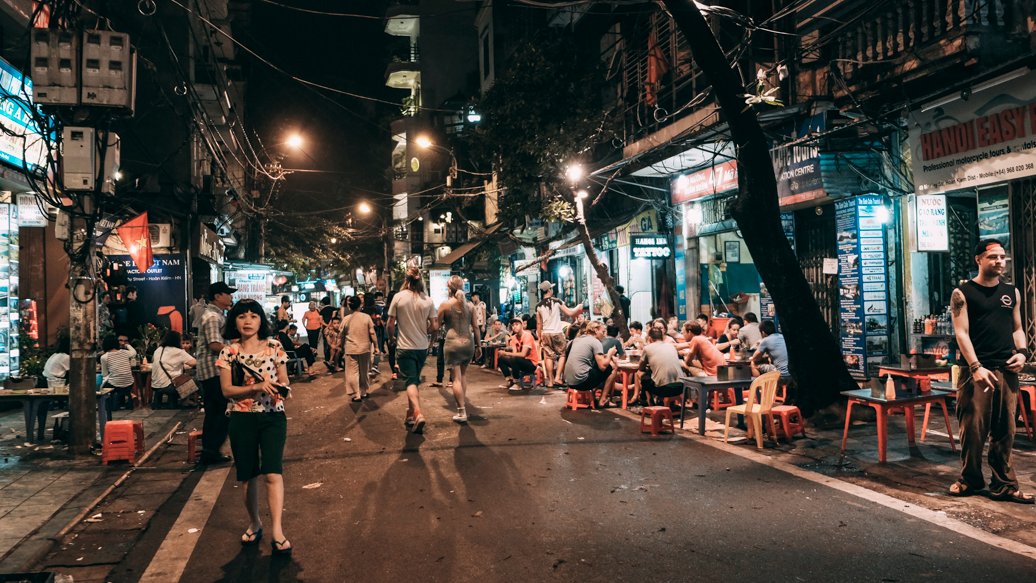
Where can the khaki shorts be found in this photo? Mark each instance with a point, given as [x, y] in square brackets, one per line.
[553, 345]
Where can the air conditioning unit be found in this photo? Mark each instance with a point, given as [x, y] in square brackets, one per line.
[161, 235]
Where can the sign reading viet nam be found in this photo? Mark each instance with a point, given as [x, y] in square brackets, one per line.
[989, 138]
[932, 228]
[712, 180]
[650, 246]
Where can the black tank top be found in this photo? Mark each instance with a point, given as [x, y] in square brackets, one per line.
[991, 321]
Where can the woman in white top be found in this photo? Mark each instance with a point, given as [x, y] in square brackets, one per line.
[169, 361]
[56, 368]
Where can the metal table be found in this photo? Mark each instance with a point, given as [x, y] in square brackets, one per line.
[32, 407]
[884, 406]
[704, 387]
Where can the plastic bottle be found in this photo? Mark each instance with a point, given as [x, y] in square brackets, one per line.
[890, 388]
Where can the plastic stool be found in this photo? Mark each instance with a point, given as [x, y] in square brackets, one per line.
[723, 399]
[123, 440]
[580, 400]
[61, 426]
[192, 446]
[789, 421]
[661, 420]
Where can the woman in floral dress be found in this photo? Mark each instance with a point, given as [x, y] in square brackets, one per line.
[254, 379]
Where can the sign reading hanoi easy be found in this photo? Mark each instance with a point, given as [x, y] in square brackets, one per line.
[650, 246]
[989, 138]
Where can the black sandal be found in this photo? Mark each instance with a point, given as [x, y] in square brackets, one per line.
[278, 548]
[251, 537]
[1013, 495]
[959, 489]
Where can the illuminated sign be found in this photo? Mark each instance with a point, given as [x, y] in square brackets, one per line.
[932, 228]
[20, 141]
[650, 247]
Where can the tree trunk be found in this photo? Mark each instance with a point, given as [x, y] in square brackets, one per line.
[618, 315]
[816, 358]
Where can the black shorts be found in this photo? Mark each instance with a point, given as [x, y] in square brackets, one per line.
[670, 390]
[257, 441]
[410, 363]
[595, 379]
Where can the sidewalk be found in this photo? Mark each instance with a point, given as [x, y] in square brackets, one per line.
[42, 488]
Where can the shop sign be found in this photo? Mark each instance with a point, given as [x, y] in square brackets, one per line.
[798, 173]
[29, 213]
[210, 247]
[607, 241]
[438, 281]
[10, 357]
[161, 290]
[707, 182]
[989, 138]
[21, 142]
[862, 282]
[253, 285]
[932, 229]
[993, 215]
[650, 246]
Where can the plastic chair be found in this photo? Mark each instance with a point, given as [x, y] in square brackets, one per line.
[766, 386]
[789, 420]
[193, 451]
[661, 420]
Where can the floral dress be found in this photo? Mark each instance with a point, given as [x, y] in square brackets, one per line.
[265, 363]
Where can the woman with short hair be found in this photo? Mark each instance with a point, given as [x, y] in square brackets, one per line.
[169, 361]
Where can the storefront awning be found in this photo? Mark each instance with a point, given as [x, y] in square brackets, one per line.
[459, 253]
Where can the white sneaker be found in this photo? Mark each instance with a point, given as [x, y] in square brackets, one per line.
[461, 417]
[436, 384]
[506, 385]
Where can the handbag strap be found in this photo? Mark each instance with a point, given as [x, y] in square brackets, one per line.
[161, 365]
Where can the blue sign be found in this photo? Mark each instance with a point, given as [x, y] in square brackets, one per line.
[681, 281]
[21, 143]
[161, 290]
[862, 282]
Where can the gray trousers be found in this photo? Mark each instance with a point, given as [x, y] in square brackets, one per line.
[989, 414]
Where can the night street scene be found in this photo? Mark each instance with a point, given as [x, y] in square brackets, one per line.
[517, 290]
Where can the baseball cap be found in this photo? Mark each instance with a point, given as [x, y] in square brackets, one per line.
[220, 288]
[546, 286]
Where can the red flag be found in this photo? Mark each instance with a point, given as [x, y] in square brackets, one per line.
[134, 234]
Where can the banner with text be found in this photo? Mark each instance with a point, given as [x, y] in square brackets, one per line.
[161, 290]
[989, 138]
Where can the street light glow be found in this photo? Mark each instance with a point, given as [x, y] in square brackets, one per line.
[295, 141]
[423, 142]
[364, 208]
[574, 172]
[582, 194]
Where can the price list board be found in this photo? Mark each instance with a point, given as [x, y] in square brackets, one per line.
[10, 359]
[862, 282]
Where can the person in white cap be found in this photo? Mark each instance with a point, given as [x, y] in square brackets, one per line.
[548, 323]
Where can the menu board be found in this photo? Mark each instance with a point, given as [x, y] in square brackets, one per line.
[862, 281]
[10, 358]
[681, 280]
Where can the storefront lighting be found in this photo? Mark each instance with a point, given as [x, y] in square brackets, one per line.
[883, 215]
[565, 272]
[582, 194]
[695, 216]
[117, 175]
[574, 172]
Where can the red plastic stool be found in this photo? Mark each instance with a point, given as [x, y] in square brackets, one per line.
[580, 400]
[192, 446]
[789, 421]
[723, 399]
[123, 440]
[661, 420]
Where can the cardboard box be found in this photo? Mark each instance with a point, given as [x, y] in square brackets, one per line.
[734, 371]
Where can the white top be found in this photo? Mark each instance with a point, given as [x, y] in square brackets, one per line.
[57, 366]
[412, 312]
[550, 314]
[173, 360]
[480, 314]
[664, 363]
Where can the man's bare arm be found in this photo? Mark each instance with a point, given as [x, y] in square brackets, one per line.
[961, 327]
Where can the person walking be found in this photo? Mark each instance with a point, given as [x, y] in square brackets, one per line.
[411, 316]
[253, 376]
[313, 323]
[987, 324]
[550, 329]
[170, 360]
[358, 338]
[457, 318]
[210, 343]
[480, 317]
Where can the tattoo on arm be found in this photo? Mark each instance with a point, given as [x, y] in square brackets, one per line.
[956, 302]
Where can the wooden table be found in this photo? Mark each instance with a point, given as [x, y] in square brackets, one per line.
[883, 406]
[704, 387]
[33, 409]
[627, 369]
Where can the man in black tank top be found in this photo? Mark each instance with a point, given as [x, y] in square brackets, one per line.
[987, 323]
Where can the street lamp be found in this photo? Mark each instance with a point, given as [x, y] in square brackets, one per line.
[425, 143]
[364, 208]
[295, 141]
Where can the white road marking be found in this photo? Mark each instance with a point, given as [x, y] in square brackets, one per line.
[171, 559]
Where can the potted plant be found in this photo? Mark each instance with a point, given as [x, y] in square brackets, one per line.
[150, 337]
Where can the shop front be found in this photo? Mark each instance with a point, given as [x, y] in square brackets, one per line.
[974, 163]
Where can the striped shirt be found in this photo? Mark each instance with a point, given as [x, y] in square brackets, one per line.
[210, 330]
[116, 369]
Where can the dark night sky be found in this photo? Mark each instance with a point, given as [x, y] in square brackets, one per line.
[347, 135]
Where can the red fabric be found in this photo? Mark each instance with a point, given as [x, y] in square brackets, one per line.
[656, 68]
[134, 234]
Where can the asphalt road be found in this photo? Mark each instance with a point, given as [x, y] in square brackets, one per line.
[528, 492]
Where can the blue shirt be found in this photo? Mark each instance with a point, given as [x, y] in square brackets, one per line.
[774, 346]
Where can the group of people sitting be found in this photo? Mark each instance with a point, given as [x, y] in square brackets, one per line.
[589, 354]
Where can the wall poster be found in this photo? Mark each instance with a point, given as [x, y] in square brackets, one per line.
[862, 282]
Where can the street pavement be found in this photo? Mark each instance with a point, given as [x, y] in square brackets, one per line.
[528, 490]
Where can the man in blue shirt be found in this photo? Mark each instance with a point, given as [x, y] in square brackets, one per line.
[771, 345]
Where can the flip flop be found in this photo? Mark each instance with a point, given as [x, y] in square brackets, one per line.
[251, 538]
[1013, 495]
[960, 489]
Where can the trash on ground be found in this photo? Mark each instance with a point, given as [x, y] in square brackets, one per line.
[313, 486]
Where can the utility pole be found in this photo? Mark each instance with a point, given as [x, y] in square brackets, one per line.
[82, 381]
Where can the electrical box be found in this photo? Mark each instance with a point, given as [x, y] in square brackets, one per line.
[109, 70]
[54, 58]
[78, 159]
[112, 161]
